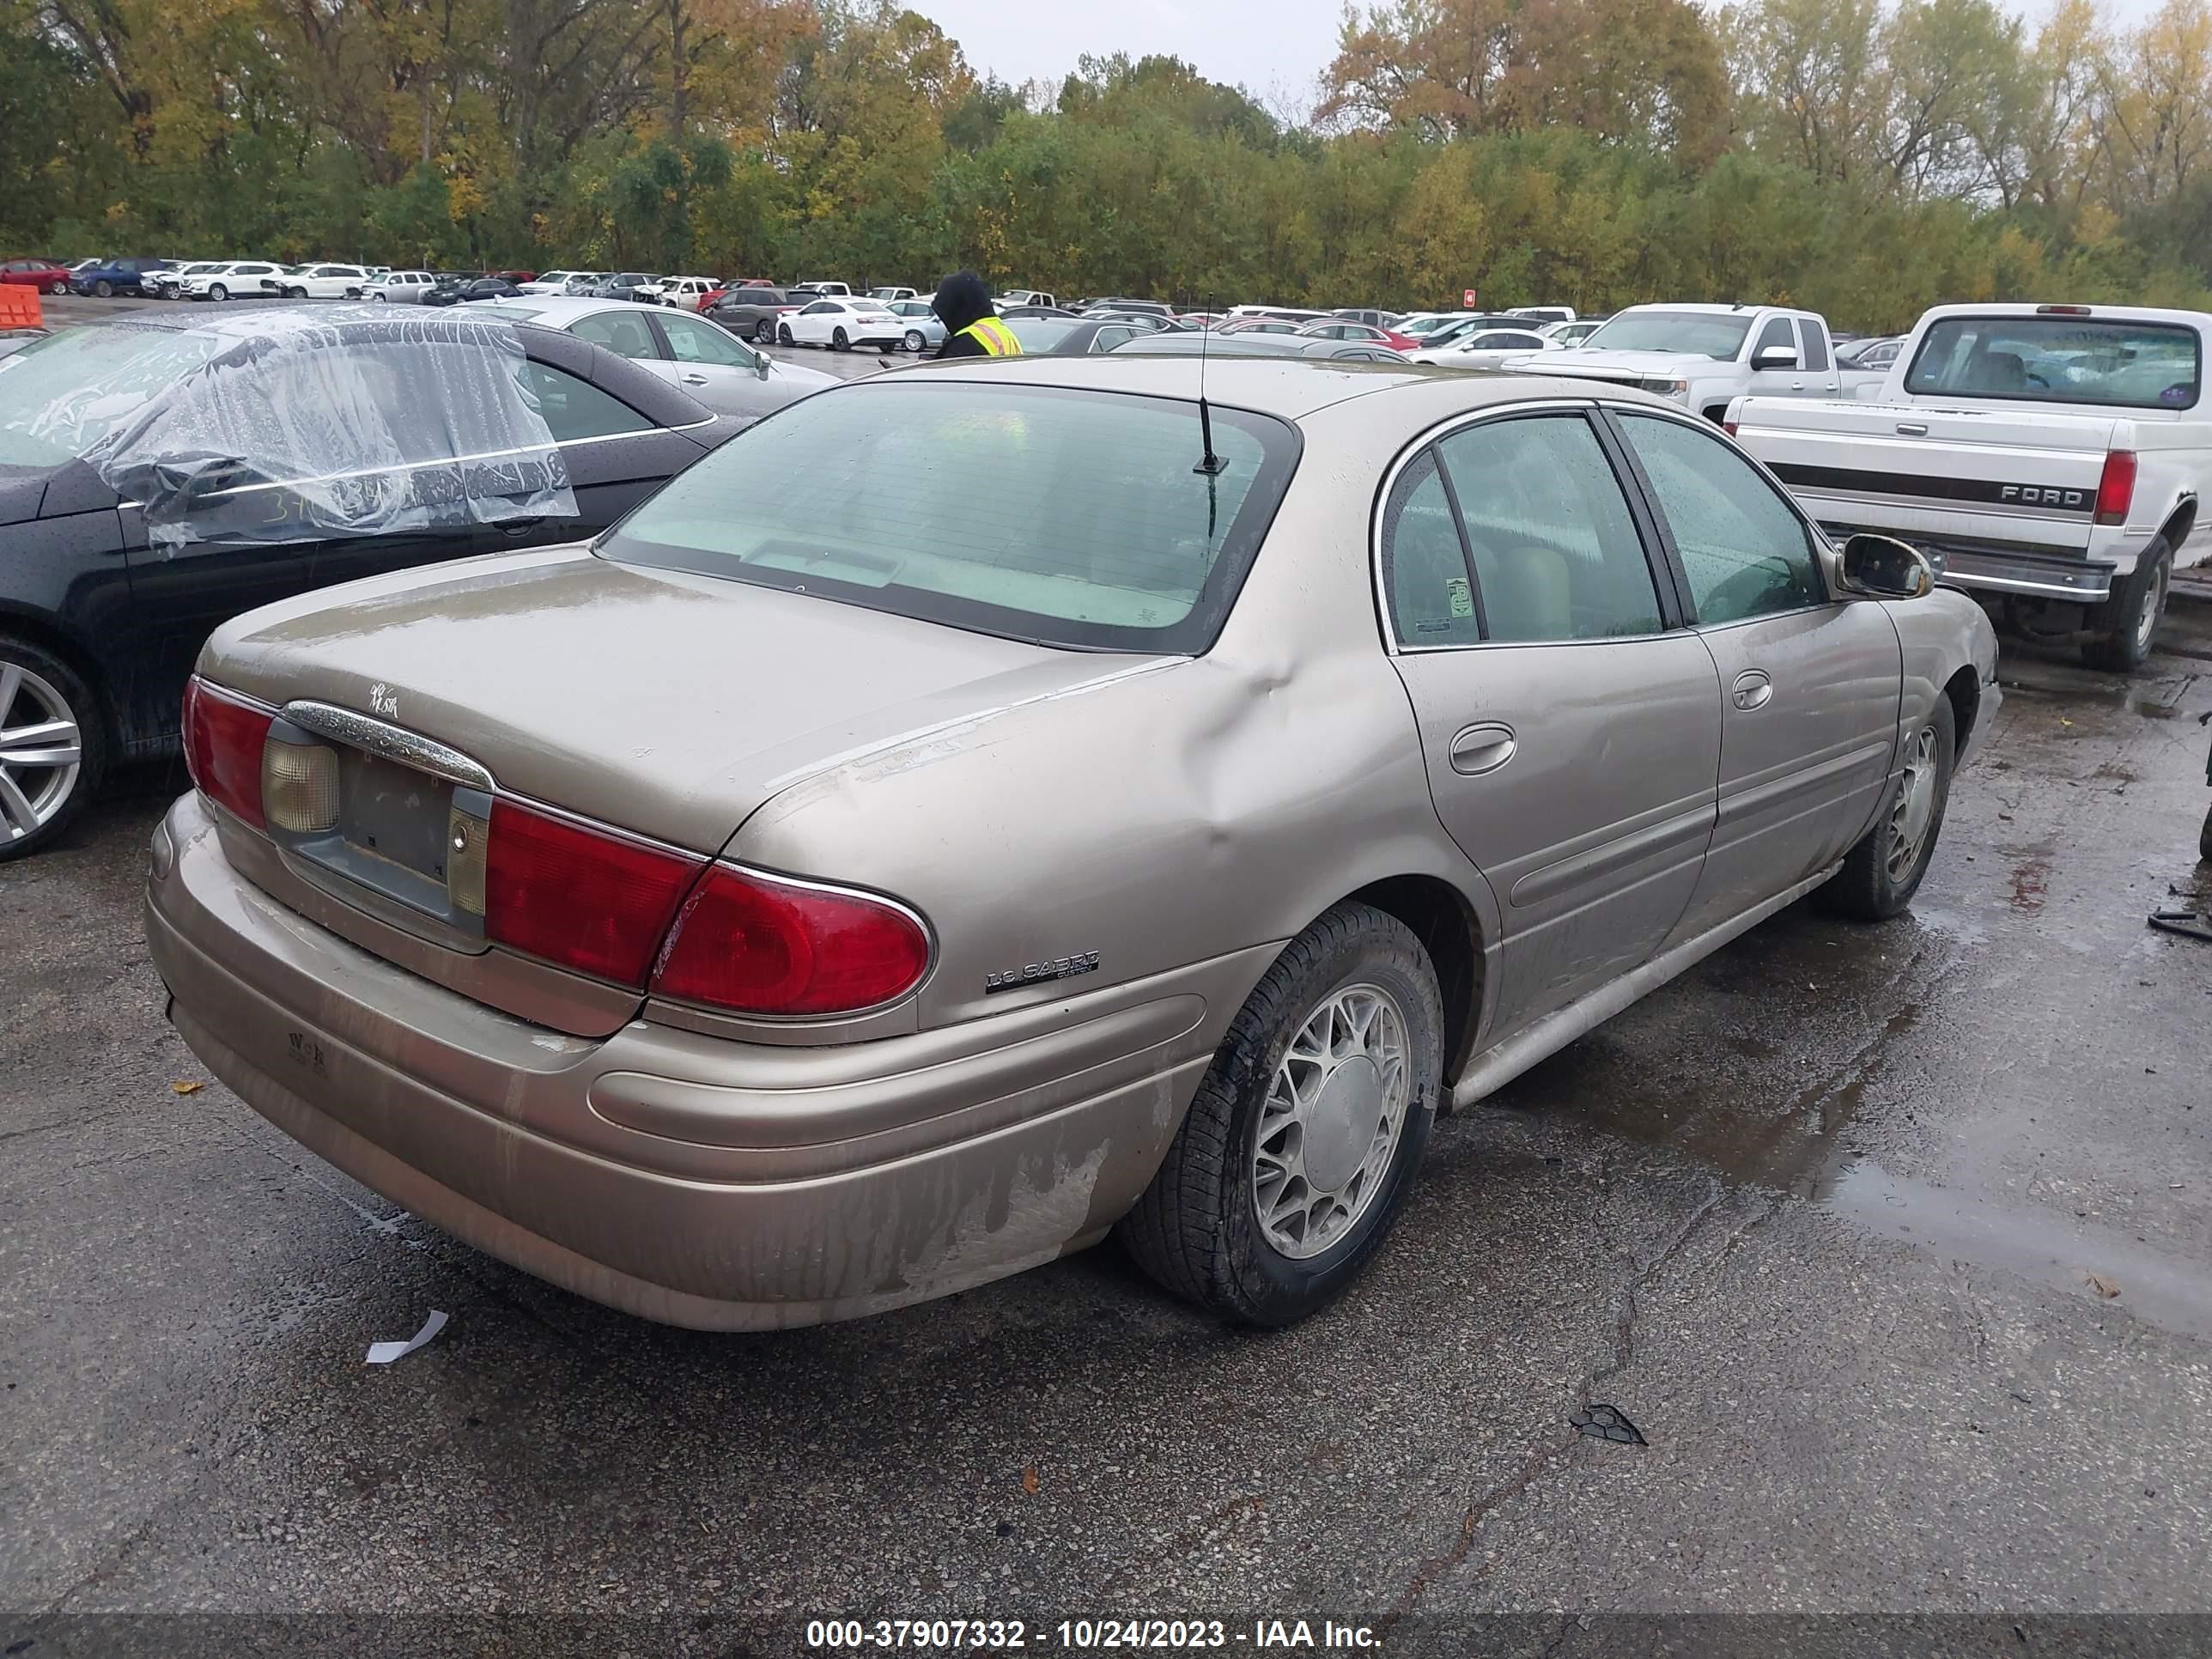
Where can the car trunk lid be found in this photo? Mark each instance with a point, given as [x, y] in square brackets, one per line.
[661, 704]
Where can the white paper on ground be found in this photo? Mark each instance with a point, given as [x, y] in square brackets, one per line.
[382, 1353]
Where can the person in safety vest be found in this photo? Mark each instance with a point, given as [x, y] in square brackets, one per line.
[972, 328]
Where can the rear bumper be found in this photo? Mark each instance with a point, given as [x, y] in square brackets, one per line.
[1994, 568]
[685, 1178]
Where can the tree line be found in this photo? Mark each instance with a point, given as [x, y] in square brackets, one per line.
[1865, 158]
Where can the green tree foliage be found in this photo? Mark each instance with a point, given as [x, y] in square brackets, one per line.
[1868, 157]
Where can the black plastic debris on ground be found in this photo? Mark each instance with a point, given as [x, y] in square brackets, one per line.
[1608, 1423]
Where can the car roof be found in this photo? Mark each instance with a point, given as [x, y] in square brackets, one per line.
[554, 309]
[1289, 388]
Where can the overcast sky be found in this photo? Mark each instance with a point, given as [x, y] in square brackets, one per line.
[1276, 49]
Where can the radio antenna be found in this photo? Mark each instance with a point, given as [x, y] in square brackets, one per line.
[1209, 463]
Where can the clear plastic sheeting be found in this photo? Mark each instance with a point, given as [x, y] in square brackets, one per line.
[289, 425]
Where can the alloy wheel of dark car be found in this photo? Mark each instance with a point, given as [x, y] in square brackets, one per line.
[52, 747]
[764, 332]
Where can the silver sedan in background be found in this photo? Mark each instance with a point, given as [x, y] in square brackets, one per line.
[1069, 813]
[707, 362]
[924, 333]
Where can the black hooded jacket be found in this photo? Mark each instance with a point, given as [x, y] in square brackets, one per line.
[962, 299]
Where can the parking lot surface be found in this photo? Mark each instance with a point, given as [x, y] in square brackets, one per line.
[1894, 1243]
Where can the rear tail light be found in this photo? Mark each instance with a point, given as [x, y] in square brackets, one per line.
[1728, 427]
[300, 787]
[579, 897]
[223, 742]
[2116, 490]
[759, 945]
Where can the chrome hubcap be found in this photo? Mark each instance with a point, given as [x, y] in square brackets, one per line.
[41, 751]
[2154, 606]
[1915, 807]
[1334, 1111]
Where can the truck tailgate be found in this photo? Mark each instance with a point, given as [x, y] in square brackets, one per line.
[1962, 475]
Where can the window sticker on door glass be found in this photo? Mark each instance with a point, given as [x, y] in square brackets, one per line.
[1463, 596]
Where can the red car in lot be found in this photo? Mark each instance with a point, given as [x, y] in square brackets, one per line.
[44, 275]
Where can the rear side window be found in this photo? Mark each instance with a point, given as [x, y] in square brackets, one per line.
[1816, 344]
[1074, 519]
[1557, 555]
[1424, 573]
[2060, 360]
[576, 409]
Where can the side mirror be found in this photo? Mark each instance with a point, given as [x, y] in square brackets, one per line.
[1884, 568]
[760, 364]
[1774, 357]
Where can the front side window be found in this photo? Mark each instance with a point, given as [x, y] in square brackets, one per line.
[1776, 335]
[1556, 553]
[703, 342]
[1746, 552]
[1094, 531]
[2060, 360]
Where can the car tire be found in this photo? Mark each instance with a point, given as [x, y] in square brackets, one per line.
[764, 332]
[218, 293]
[2126, 624]
[376, 299]
[1880, 875]
[1198, 1230]
[783, 334]
[40, 687]
[103, 289]
[838, 341]
[914, 343]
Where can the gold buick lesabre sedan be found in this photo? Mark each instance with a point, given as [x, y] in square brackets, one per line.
[997, 804]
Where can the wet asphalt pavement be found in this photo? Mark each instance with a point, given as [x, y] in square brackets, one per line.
[1892, 1241]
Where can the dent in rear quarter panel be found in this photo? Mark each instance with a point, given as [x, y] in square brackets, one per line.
[1164, 819]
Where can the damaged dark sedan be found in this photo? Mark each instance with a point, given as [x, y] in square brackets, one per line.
[161, 474]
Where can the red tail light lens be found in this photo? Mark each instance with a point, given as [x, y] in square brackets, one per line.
[579, 898]
[757, 945]
[1728, 427]
[223, 740]
[2116, 490]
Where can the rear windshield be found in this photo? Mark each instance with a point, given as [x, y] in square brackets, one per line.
[2059, 360]
[1072, 518]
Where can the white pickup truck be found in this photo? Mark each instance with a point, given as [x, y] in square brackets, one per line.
[2048, 458]
[1705, 357]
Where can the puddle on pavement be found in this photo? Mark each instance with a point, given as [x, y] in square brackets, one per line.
[2158, 699]
[2030, 1240]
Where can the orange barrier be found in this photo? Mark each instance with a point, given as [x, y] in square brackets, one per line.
[19, 307]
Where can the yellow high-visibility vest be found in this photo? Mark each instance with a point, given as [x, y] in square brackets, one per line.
[994, 336]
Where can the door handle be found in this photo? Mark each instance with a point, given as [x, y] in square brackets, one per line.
[1753, 689]
[1796, 385]
[1912, 428]
[1481, 748]
[692, 379]
[520, 526]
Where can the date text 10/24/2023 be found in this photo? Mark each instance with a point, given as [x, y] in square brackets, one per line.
[1088, 1635]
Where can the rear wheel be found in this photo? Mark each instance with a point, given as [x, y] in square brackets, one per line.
[296, 294]
[217, 291]
[764, 332]
[1881, 873]
[783, 333]
[2127, 623]
[839, 341]
[103, 289]
[1299, 1150]
[915, 342]
[54, 747]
